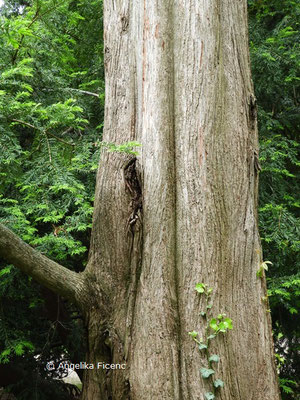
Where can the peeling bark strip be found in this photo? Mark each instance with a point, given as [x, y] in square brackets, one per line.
[257, 166]
[252, 111]
[252, 108]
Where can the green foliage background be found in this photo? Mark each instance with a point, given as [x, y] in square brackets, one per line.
[51, 113]
[275, 57]
[51, 116]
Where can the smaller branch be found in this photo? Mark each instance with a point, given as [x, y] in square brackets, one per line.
[35, 18]
[75, 90]
[67, 130]
[84, 92]
[59, 139]
[46, 132]
[25, 123]
[49, 149]
[15, 55]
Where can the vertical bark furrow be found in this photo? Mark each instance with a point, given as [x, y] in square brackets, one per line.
[178, 394]
[155, 353]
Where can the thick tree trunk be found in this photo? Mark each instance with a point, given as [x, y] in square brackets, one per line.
[178, 81]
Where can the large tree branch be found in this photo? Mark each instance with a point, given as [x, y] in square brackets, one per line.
[54, 276]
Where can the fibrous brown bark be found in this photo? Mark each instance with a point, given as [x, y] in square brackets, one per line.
[183, 211]
[178, 81]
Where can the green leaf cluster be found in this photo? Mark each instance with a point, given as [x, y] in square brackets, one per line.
[214, 327]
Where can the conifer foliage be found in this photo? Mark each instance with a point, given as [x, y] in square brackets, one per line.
[51, 109]
[275, 55]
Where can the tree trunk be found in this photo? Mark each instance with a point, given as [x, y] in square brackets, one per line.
[178, 81]
[183, 211]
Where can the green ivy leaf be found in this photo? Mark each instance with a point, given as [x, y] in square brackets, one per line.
[214, 358]
[227, 323]
[218, 383]
[210, 337]
[213, 324]
[209, 396]
[202, 346]
[206, 372]
[200, 287]
[222, 327]
[263, 267]
[259, 273]
[194, 334]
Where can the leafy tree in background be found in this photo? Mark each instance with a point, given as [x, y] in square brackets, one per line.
[51, 113]
[275, 53]
[51, 109]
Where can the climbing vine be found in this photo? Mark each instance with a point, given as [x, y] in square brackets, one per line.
[214, 326]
